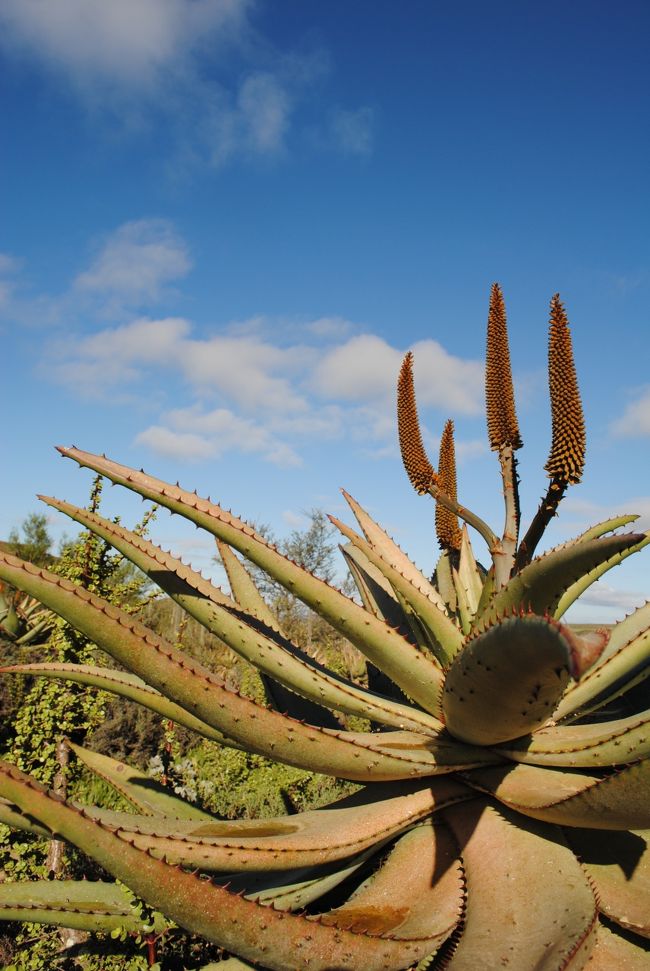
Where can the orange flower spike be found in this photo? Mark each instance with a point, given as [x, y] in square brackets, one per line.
[417, 465]
[567, 455]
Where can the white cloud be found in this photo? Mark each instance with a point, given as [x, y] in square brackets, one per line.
[247, 369]
[635, 420]
[124, 42]
[191, 434]
[352, 131]
[9, 266]
[328, 327]
[264, 109]
[364, 367]
[263, 386]
[367, 367]
[114, 357]
[143, 341]
[198, 68]
[185, 446]
[601, 594]
[136, 262]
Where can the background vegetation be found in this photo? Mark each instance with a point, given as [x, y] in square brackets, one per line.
[38, 715]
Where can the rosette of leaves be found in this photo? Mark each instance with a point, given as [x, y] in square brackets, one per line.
[503, 809]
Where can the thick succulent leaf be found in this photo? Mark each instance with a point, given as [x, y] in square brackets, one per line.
[391, 553]
[507, 680]
[278, 940]
[230, 964]
[11, 816]
[445, 582]
[313, 838]
[486, 593]
[618, 742]
[614, 952]
[619, 800]
[618, 865]
[447, 638]
[143, 792]
[81, 904]
[378, 596]
[417, 674]
[243, 589]
[540, 585]
[578, 588]
[463, 608]
[418, 890]
[125, 685]
[621, 670]
[627, 630]
[248, 597]
[295, 889]
[376, 592]
[470, 578]
[601, 529]
[355, 756]
[528, 905]
[249, 634]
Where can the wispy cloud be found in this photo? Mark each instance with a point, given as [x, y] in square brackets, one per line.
[365, 367]
[131, 45]
[601, 594]
[580, 513]
[269, 386]
[250, 394]
[9, 267]
[143, 64]
[135, 263]
[635, 420]
[352, 131]
[196, 436]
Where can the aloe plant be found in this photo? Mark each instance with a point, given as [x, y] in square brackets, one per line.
[503, 810]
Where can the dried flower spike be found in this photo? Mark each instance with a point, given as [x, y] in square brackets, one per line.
[417, 465]
[567, 456]
[447, 528]
[500, 400]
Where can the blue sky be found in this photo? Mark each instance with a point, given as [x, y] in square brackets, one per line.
[225, 221]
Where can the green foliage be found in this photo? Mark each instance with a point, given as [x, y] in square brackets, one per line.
[45, 712]
[34, 542]
[241, 785]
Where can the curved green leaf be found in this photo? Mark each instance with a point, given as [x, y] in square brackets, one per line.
[447, 638]
[528, 902]
[80, 904]
[391, 553]
[275, 939]
[614, 951]
[124, 684]
[413, 671]
[249, 635]
[608, 743]
[313, 838]
[578, 588]
[618, 864]
[620, 800]
[621, 670]
[523, 662]
[141, 790]
[11, 816]
[540, 586]
[417, 892]
[350, 755]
